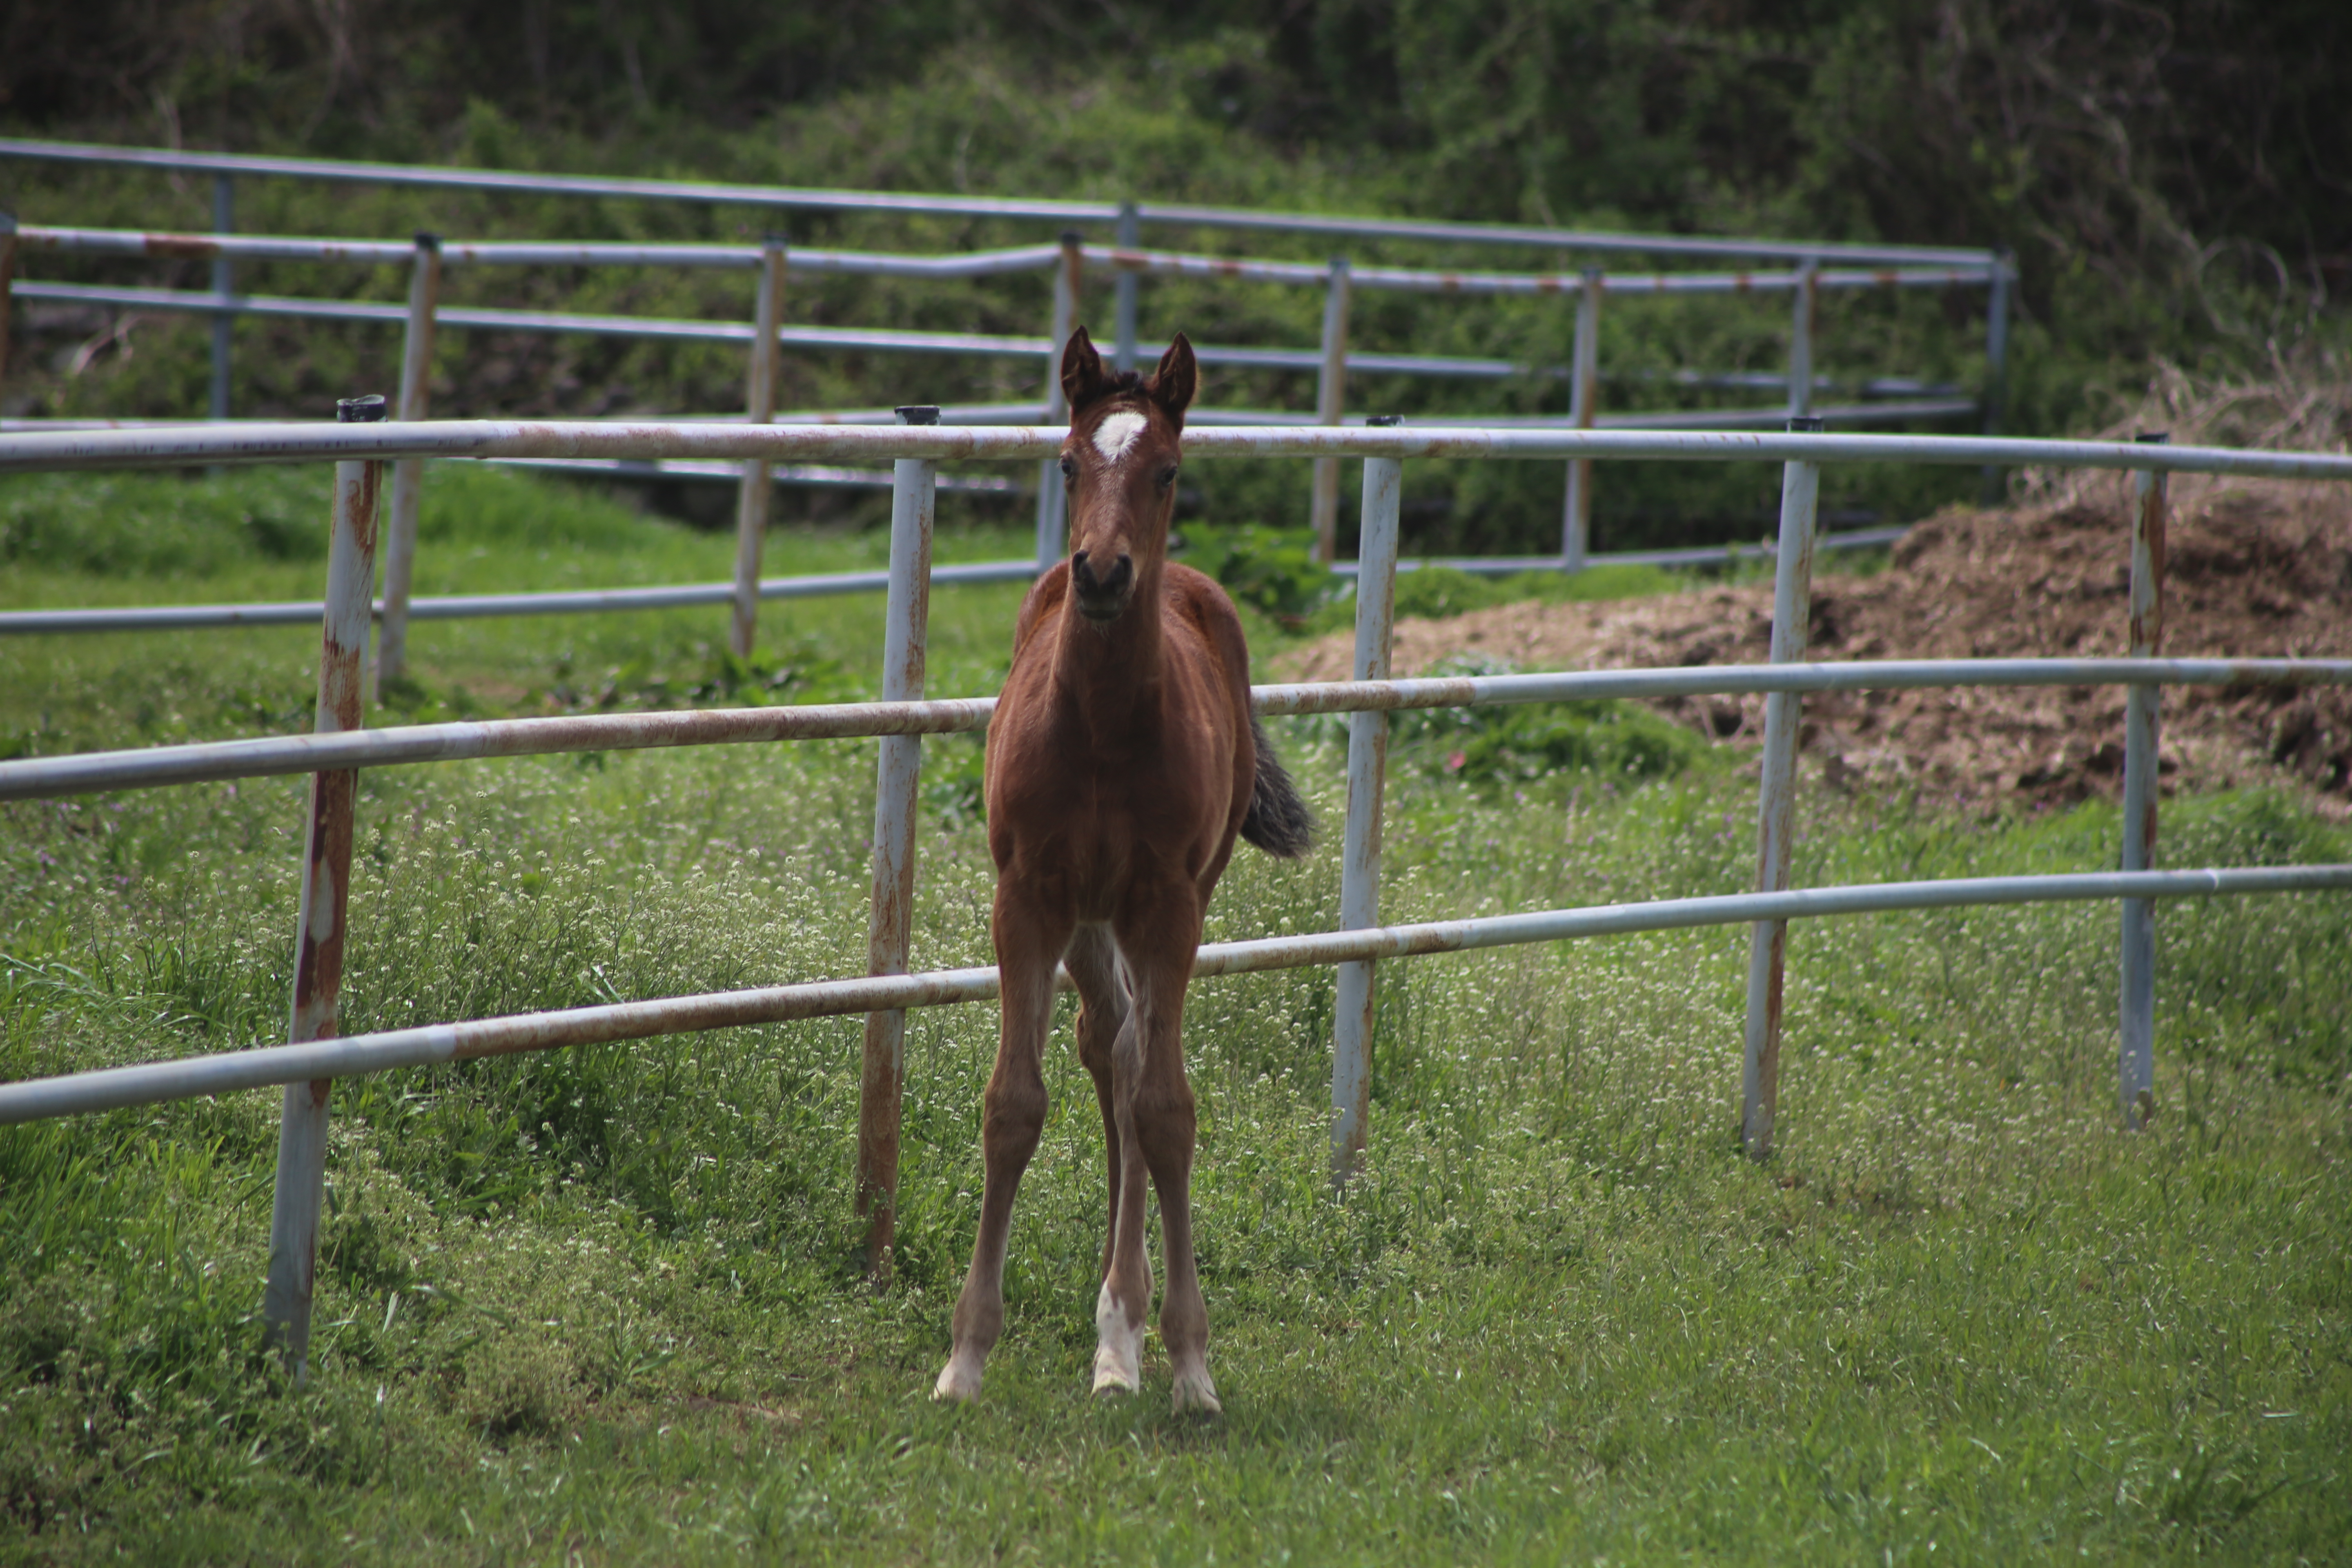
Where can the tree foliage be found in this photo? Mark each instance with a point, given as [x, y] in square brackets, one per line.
[2144, 141]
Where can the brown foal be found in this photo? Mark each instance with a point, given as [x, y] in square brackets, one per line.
[1122, 761]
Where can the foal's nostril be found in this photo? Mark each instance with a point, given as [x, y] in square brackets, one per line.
[1081, 574]
[1120, 573]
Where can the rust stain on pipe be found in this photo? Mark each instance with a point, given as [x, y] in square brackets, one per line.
[2148, 620]
[1768, 1062]
[288, 1296]
[179, 247]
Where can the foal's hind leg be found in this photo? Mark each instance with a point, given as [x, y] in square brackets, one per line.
[1162, 1131]
[1029, 943]
[1125, 1298]
[1105, 1011]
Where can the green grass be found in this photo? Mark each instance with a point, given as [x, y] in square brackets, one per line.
[604, 1305]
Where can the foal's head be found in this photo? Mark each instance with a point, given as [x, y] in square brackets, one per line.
[1120, 465]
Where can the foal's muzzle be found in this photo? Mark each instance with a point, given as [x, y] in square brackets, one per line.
[1101, 598]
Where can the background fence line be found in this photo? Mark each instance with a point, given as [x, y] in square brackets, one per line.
[1128, 215]
[1888, 267]
[338, 747]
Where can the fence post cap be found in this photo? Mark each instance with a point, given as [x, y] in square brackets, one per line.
[919, 414]
[1805, 423]
[1072, 236]
[428, 240]
[2153, 438]
[1383, 421]
[367, 410]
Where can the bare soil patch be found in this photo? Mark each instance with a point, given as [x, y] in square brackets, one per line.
[2254, 570]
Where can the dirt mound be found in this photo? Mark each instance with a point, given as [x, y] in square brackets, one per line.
[2253, 571]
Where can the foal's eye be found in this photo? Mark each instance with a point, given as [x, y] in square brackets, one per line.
[1166, 476]
[1070, 471]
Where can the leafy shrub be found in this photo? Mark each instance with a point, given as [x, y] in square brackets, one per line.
[954, 776]
[1524, 742]
[1440, 593]
[1273, 570]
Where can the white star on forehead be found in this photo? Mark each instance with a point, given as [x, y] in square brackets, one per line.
[1117, 433]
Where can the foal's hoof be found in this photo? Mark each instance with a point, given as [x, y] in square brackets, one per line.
[1195, 1392]
[957, 1384]
[1118, 1348]
[1112, 1378]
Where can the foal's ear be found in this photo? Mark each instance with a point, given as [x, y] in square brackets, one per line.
[1173, 384]
[1083, 380]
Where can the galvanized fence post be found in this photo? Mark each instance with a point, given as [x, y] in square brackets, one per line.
[326, 894]
[1805, 318]
[223, 282]
[1768, 940]
[755, 491]
[1131, 233]
[7, 282]
[2135, 1068]
[1068, 275]
[1330, 400]
[1360, 866]
[1996, 396]
[913, 489]
[408, 473]
[1583, 411]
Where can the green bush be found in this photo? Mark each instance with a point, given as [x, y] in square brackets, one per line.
[1521, 742]
[1271, 570]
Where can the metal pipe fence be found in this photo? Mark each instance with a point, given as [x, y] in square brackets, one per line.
[1331, 360]
[337, 748]
[1126, 216]
[439, 1044]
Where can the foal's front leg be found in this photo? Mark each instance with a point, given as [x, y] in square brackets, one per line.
[1028, 945]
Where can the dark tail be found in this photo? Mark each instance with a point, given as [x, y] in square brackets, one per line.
[1279, 821]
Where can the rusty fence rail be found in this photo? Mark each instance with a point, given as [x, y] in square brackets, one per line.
[1884, 400]
[338, 747]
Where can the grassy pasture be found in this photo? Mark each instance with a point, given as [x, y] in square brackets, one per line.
[601, 1305]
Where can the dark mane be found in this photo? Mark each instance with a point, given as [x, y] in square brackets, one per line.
[1118, 384]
